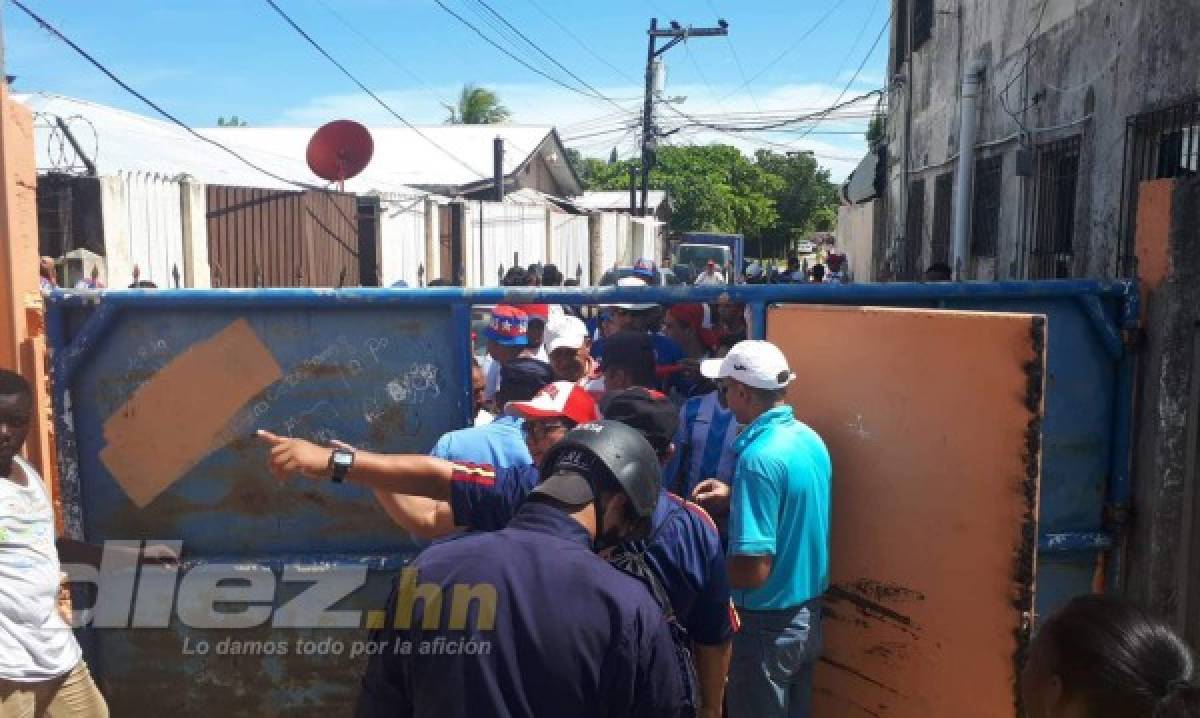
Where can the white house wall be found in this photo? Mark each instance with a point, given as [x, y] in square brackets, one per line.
[144, 229]
[570, 245]
[403, 238]
[507, 231]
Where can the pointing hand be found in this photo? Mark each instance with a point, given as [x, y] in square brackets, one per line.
[296, 456]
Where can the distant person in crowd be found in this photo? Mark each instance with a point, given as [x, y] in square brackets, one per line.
[778, 554]
[551, 277]
[572, 282]
[646, 270]
[704, 447]
[837, 269]
[1101, 657]
[439, 282]
[42, 671]
[794, 273]
[710, 275]
[399, 284]
[731, 319]
[478, 384]
[628, 362]
[569, 350]
[515, 277]
[90, 282]
[689, 326]
[507, 340]
[143, 284]
[642, 317]
[46, 277]
[939, 272]
[817, 273]
[539, 315]
[533, 276]
[499, 443]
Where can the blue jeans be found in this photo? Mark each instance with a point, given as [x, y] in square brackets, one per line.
[770, 675]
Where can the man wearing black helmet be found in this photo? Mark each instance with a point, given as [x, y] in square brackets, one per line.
[554, 631]
[683, 551]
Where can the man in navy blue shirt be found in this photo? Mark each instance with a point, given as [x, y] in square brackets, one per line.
[683, 551]
[554, 630]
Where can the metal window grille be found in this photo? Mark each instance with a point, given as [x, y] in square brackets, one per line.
[1053, 222]
[1158, 145]
[985, 213]
[943, 199]
[914, 232]
[922, 23]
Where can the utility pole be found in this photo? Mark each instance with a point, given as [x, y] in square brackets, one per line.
[676, 33]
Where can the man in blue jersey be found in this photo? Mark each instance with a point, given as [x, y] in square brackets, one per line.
[683, 550]
[778, 536]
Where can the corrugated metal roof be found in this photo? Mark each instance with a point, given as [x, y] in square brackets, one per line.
[129, 142]
[616, 200]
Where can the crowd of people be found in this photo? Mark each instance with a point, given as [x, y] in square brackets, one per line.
[653, 519]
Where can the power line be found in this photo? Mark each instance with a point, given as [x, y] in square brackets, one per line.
[367, 90]
[687, 48]
[861, 65]
[383, 53]
[816, 26]
[522, 62]
[548, 56]
[736, 59]
[150, 103]
[582, 44]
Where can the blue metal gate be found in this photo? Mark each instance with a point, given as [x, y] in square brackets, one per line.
[390, 370]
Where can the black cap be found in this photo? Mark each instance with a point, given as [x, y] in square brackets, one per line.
[605, 446]
[628, 349]
[646, 410]
[521, 379]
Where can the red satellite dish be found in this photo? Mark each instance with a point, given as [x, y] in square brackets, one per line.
[339, 150]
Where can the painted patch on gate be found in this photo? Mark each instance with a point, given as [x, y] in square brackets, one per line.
[179, 415]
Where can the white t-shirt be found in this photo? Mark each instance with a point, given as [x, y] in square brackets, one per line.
[705, 278]
[35, 643]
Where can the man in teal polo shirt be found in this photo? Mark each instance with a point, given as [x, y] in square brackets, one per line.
[778, 556]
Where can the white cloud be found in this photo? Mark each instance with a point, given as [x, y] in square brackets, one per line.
[594, 126]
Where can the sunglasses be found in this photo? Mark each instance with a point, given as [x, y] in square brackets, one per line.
[541, 429]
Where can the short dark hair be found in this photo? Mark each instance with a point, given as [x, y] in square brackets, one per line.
[515, 277]
[551, 277]
[439, 282]
[13, 384]
[572, 282]
[1119, 660]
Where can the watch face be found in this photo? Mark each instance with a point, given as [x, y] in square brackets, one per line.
[343, 459]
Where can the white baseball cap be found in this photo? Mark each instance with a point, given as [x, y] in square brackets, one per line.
[754, 363]
[565, 333]
[633, 282]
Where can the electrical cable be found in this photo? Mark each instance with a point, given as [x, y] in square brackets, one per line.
[582, 44]
[737, 60]
[373, 96]
[804, 36]
[861, 65]
[150, 103]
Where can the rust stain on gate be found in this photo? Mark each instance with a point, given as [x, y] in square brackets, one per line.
[277, 238]
[933, 421]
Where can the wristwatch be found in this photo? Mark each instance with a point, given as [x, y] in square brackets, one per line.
[340, 462]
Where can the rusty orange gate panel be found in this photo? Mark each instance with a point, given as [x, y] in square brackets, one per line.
[933, 421]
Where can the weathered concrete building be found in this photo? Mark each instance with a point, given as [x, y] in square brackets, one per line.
[1070, 104]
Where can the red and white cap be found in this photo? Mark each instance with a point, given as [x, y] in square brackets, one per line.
[562, 399]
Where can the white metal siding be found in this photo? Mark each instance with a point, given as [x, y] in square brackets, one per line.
[507, 230]
[570, 244]
[402, 236]
[143, 228]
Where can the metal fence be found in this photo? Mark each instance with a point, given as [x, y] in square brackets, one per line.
[1160, 144]
[1053, 220]
[985, 216]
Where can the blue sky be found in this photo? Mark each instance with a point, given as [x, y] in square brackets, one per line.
[220, 57]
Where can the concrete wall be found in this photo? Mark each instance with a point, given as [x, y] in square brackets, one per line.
[1090, 65]
[1164, 555]
[856, 237]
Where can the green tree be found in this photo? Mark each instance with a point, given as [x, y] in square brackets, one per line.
[808, 199]
[233, 121]
[877, 129]
[477, 106]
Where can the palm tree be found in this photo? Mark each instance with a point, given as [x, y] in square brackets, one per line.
[477, 106]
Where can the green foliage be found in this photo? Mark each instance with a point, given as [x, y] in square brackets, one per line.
[877, 129]
[773, 199]
[477, 106]
[233, 121]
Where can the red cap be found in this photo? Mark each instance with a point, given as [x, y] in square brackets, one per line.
[561, 399]
[693, 315]
[541, 311]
